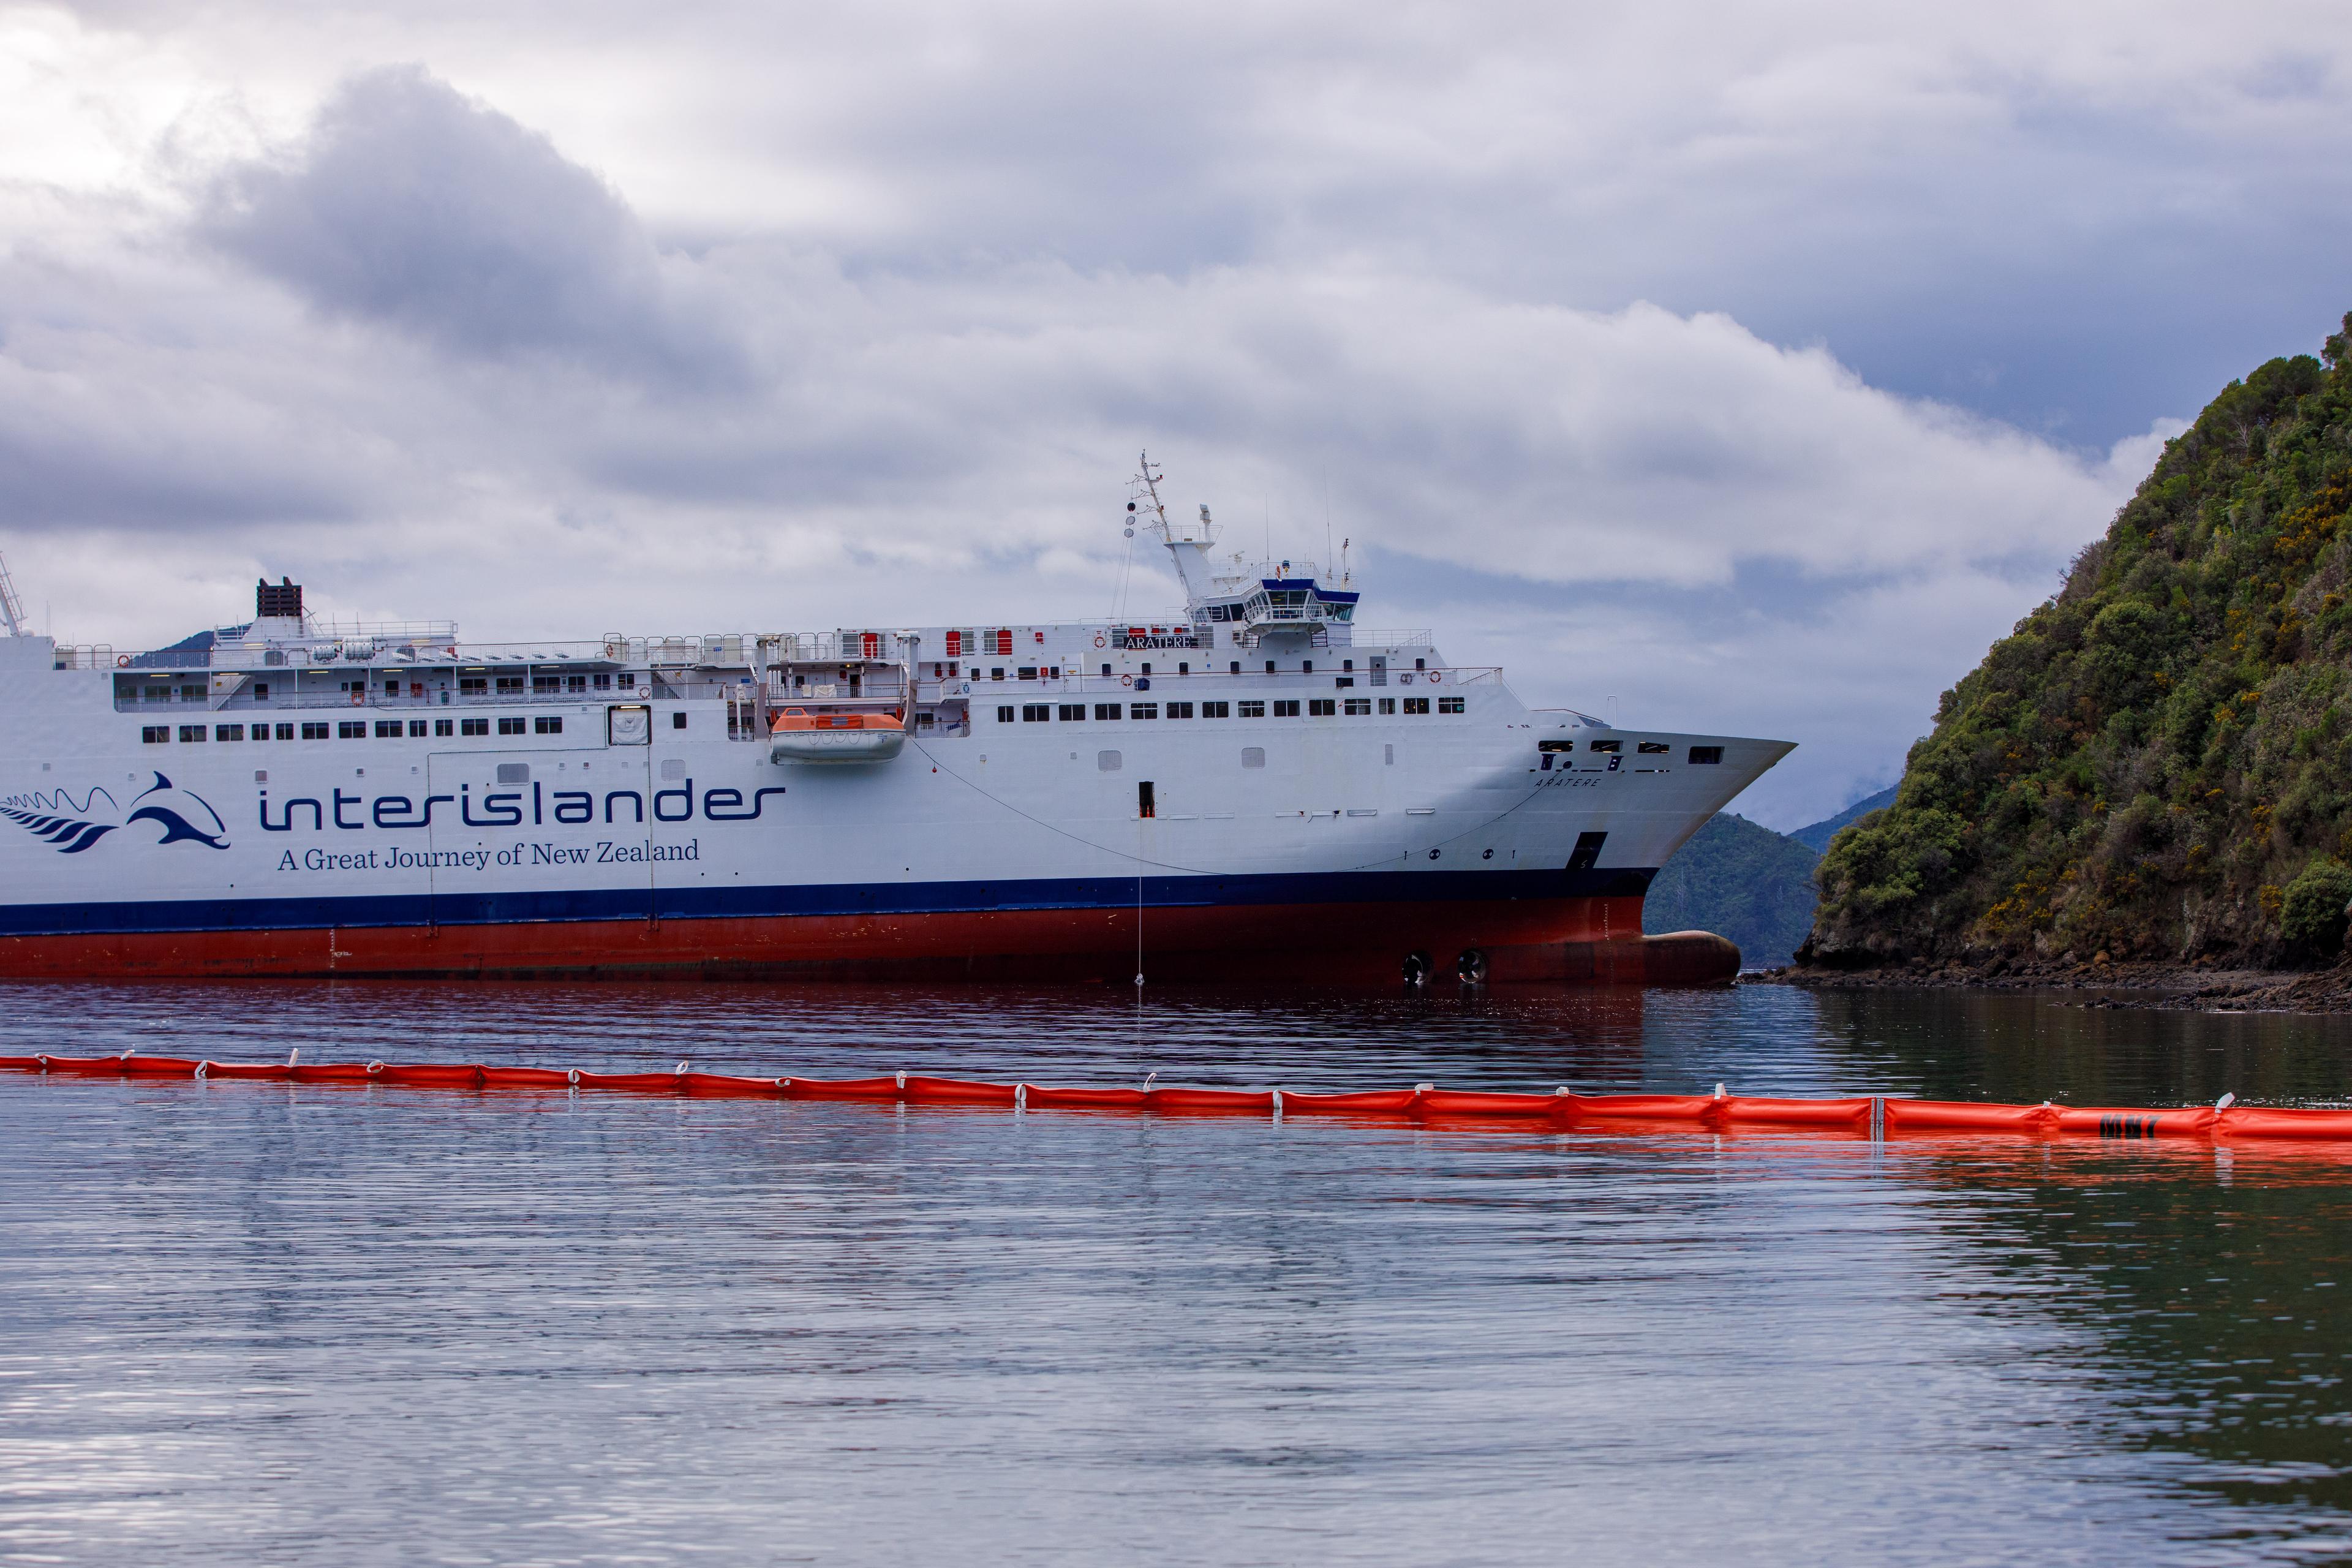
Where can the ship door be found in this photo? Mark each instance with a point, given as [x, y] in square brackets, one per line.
[629, 724]
[1588, 851]
[1380, 669]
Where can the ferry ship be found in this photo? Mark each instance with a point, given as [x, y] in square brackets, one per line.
[1255, 788]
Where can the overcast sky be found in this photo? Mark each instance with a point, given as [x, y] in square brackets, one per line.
[1752, 367]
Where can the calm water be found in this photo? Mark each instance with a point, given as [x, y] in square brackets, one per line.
[253, 1324]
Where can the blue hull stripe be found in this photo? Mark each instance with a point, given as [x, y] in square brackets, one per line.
[822, 898]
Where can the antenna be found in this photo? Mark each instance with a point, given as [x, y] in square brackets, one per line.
[11, 611]
[1148, 486]
[1327, 524]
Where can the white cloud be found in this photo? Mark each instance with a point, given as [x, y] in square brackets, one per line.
[862, 314]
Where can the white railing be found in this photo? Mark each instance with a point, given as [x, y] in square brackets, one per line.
[92, 656]
[1367, 637]
[320, 629]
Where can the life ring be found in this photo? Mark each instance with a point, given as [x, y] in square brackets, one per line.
[358, 697]
[1099, 639]
[1435, 676]
[123, 661]
[1127, 681]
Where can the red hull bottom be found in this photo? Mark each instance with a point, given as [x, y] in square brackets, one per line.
[1589, 941]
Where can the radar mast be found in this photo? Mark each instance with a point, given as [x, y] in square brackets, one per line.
[1187, 542]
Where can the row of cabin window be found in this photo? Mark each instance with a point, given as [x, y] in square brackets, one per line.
[510, 685]
[354, 730]
[1698, 755]
[1184, 667]
[467, 685]
[1284, 708]
[1607, 748]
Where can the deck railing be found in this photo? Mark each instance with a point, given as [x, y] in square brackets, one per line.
[1072, 684]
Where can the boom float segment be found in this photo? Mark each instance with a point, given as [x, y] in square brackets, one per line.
[1869, 1116]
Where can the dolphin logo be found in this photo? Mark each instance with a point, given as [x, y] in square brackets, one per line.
[70, 828]
[179, 812]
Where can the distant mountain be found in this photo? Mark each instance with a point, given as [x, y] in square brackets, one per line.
[1738, 880]
[1817, 838]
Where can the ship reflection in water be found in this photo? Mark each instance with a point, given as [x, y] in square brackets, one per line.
[248, 1322]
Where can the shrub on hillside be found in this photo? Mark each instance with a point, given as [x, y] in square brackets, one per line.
[2312, 916]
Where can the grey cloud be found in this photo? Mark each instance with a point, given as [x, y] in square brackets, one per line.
[1298, 257]
[410, 206]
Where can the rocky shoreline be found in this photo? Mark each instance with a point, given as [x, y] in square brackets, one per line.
[2186, 987]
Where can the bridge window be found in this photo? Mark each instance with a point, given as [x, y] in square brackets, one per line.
[1607, 748]
[1653, 748]
[1700, 755]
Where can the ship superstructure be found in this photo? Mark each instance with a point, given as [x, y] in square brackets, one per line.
[1254, 786]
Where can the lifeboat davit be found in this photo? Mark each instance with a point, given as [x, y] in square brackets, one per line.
[828, 735]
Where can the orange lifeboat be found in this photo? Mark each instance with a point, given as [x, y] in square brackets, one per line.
[836, 735]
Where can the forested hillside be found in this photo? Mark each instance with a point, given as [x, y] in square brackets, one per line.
[1816, 838]
[1740, 882]
[2158, 762]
